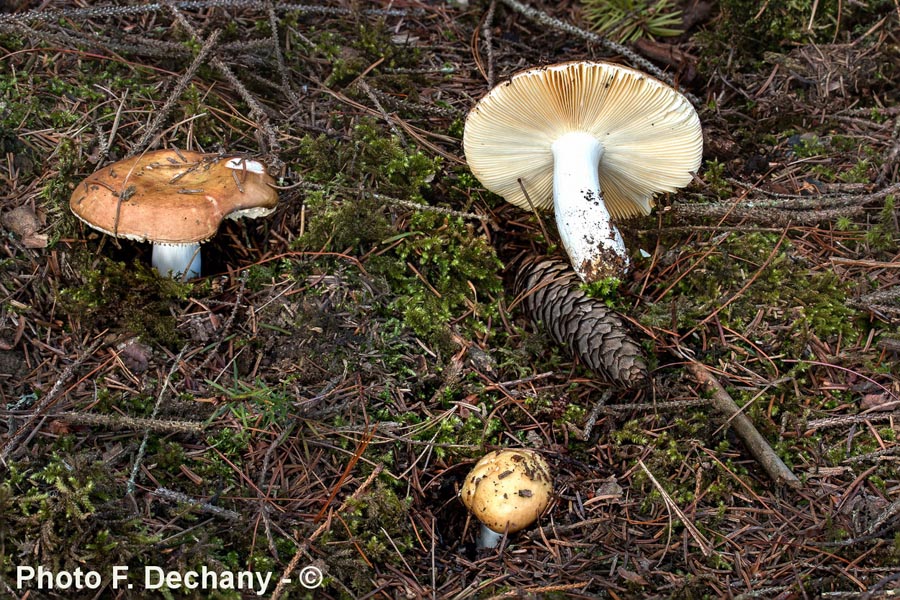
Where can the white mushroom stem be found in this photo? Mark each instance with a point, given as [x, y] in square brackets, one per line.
[594, 244]
[488, 538]
[180, 261]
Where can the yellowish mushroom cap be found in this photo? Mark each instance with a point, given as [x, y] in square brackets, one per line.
[650, 133]
[507, 490]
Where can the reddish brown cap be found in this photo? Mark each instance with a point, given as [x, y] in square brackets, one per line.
[173, 197]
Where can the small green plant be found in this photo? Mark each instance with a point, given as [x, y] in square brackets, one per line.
[628, 20]
[882, 235]
[809, 146]
[605, 290]
[715, 176]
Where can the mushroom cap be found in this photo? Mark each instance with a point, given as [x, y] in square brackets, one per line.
[507, 490]
[170, 197]
[650, 133]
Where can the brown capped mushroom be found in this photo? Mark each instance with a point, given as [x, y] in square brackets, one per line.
[174, 199]
[507, 490]
[594, 140]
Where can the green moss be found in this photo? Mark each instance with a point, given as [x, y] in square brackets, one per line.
[442, 272]
[348, 55]
[371, 156]
[341, 221]
[354, 226]
[746, 274]
[606, 290]
[376, 526]
[65, 508]
[883, 235]
[631, 433]
[433, 264]
[744, 30]
[714, 174]
[809, 147]
[131, 297]
[751, 29]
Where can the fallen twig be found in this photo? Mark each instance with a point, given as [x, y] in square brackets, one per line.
[45, 403]
[130, 487]
[756, 443]
[199, 505]
[673, 507]
[180, 86]
[116, 422]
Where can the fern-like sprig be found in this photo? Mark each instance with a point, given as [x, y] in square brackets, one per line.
[628, 20]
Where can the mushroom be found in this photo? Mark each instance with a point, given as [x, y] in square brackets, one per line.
[507, 490]
[595, 140]
[174, 199]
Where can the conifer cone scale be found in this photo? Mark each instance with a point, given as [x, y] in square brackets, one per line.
[592, 331]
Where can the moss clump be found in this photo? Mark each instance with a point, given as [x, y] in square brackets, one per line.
[344, 226]
[882, 236]
[751, 29]
[374, 530]
[433, 264]
[744, 30]
[371, 157]
[130, 297]
[62, 510]
[606, 290]
[797, 302]
[442, 272]
[350, 53]
[342, 220]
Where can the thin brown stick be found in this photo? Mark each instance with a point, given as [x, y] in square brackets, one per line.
[743, 289]
[48, 400]
[755, 442]
[672, 506]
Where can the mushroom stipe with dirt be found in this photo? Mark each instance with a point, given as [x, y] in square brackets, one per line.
[594, 140]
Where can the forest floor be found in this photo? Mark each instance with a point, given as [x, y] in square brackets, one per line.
[314, 401]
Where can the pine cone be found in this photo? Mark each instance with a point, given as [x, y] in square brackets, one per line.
[592, 331]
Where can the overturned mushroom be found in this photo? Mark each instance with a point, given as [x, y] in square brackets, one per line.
[174, 199]
[595, 140]
[507, 490]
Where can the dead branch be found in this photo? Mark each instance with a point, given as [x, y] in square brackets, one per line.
[756, 443]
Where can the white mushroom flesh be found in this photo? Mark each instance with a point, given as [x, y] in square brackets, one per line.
[178, 261]
[245, 164]
[593, 243]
